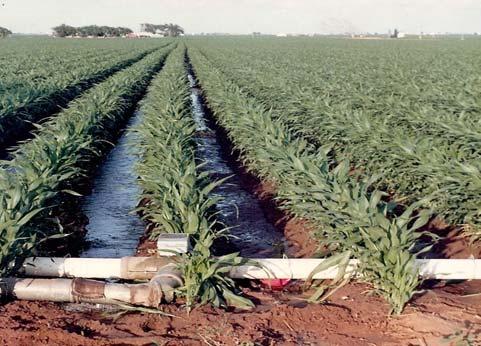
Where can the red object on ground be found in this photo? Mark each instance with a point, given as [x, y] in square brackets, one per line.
[275, 284]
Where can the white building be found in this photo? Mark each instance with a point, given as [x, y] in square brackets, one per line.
[144, 34]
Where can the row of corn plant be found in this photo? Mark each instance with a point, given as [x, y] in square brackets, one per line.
[350, 218]
[416, 127]
[42, 170]
[51, 85]
[48, 64]
[176, 192]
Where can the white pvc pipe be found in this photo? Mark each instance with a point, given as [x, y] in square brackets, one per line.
[450, 269]
[286, 268]
[129, 268]
[440, 269]
[280, 268]
[73, 267]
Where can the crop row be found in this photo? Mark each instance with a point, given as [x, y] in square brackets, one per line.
[55, 67]
[350, 218]
[176, 192]
[42, 170]
[39, 59]
[36, 98]
[410, 119]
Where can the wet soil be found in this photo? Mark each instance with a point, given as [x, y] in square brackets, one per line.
[454, 242]
[108, 190]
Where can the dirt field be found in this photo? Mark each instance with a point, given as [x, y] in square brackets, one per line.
[351, 317]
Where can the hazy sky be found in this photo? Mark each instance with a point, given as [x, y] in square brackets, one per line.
[245, 16]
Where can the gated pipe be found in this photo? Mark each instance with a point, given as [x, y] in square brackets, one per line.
[301, 268]
[296, 268]
[127, 268]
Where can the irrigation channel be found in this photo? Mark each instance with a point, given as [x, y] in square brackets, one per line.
[252, 234]
[114, 230]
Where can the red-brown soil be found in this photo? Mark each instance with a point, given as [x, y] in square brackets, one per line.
[300, 241]
[351, 317]
[457, 244]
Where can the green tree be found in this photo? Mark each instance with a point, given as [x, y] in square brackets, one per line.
[4, 32]
[91, 30]
[173, 30]
[170, 29]
[124, 31]
[64, 30]
[147, 27]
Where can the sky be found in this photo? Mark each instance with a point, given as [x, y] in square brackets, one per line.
[247, 16]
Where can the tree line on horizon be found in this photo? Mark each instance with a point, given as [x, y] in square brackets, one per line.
[90, 30]
[4, 32]
[171, 30]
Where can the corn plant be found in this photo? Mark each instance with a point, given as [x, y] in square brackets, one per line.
[388, 253]
[177, 193]
[350, 216]
[206, 279]
[412, 118]
[39, 173]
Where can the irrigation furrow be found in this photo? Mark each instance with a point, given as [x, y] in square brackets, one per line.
[251, 233]
[114, 230]
[350, 219]
[47, 169]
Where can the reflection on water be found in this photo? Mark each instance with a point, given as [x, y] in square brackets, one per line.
[253, 235]
[113, 230]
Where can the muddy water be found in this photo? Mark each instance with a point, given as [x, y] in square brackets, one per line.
[113, 230]
[252, 234]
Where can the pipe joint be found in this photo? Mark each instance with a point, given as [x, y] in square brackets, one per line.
[87, 290]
